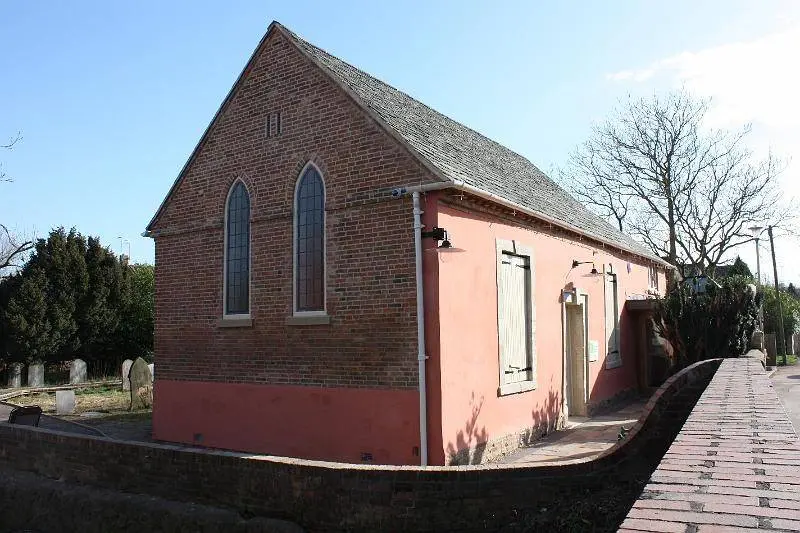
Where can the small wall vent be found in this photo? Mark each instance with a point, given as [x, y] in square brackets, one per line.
[274, 124]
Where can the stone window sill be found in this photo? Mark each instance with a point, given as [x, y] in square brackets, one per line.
[308, 320]
[235, 322]
[516, 388]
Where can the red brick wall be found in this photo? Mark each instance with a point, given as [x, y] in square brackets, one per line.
[371, 340]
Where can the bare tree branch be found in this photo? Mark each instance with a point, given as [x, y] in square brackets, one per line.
[688, 193]
[12, 248]
[11, 142]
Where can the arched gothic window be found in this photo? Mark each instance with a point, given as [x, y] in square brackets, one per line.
[237, 251]
[309, 261]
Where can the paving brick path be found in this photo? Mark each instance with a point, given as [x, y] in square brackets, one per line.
[583, 438]
[735, 465]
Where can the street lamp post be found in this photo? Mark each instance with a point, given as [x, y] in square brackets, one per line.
[122, 243]
[780, 333]
[756, 232]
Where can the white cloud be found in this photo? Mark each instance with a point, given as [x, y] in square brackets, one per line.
[755, 81]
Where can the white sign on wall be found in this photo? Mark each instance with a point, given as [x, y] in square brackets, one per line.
[594, 351]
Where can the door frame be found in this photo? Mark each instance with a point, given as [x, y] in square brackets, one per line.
[573, 297]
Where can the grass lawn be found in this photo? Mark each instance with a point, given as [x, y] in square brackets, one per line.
[791, 359]
[102, 399]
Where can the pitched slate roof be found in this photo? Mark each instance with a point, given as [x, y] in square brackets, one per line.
[459, 153]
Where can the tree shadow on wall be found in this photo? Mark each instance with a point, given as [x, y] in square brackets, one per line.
[470, 442]
[545, 419]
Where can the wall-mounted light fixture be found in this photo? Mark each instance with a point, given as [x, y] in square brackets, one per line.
[576, 263]
[439, 234]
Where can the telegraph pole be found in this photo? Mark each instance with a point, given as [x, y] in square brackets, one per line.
[780, 335]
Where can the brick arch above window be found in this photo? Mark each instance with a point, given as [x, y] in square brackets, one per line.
[292, 178]
[227, 187]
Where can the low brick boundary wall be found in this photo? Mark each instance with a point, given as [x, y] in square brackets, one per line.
[591, 495]
[30, 503]
[735, 465]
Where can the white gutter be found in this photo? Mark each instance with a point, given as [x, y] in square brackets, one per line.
[421, 357]
[461, 185]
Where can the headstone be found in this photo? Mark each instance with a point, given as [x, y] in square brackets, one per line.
[36, 375]
[15, 375]
[126, 370]
[141, 385]
[757, 340]
[77, 371]
[65, 402]
[772, 350]
[152, 368]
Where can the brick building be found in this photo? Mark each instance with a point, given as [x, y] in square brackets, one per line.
[308, 304]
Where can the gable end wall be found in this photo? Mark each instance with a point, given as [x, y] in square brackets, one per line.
[206, 371]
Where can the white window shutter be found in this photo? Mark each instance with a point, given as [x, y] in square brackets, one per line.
[515, 318]
[508, 319]
[519, 310]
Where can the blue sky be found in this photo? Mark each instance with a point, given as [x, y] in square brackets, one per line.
[111, 97]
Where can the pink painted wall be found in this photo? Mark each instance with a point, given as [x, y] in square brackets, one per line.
[467, 354]
[335, 424]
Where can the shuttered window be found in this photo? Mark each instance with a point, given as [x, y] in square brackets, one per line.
[237, 251]
[613, 356]
[515, 318]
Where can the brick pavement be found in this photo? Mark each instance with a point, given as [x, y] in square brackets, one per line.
[583, 438]
[735, 465]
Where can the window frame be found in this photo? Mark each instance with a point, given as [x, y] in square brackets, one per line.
[611, 292]
[652, 278]
[503, 246]
[226, 316]
[315, 314]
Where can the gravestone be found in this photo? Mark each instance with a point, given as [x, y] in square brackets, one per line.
[15, 375]
[757, 340]
[36, 375]
[772, 350]
[77, 371]
[152, 368]
[141, 385]
[126, 370]
[65, 402]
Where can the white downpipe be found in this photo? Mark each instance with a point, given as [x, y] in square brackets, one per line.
[421, 357]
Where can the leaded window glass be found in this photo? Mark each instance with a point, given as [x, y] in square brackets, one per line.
[310, 242]
[237, 252]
